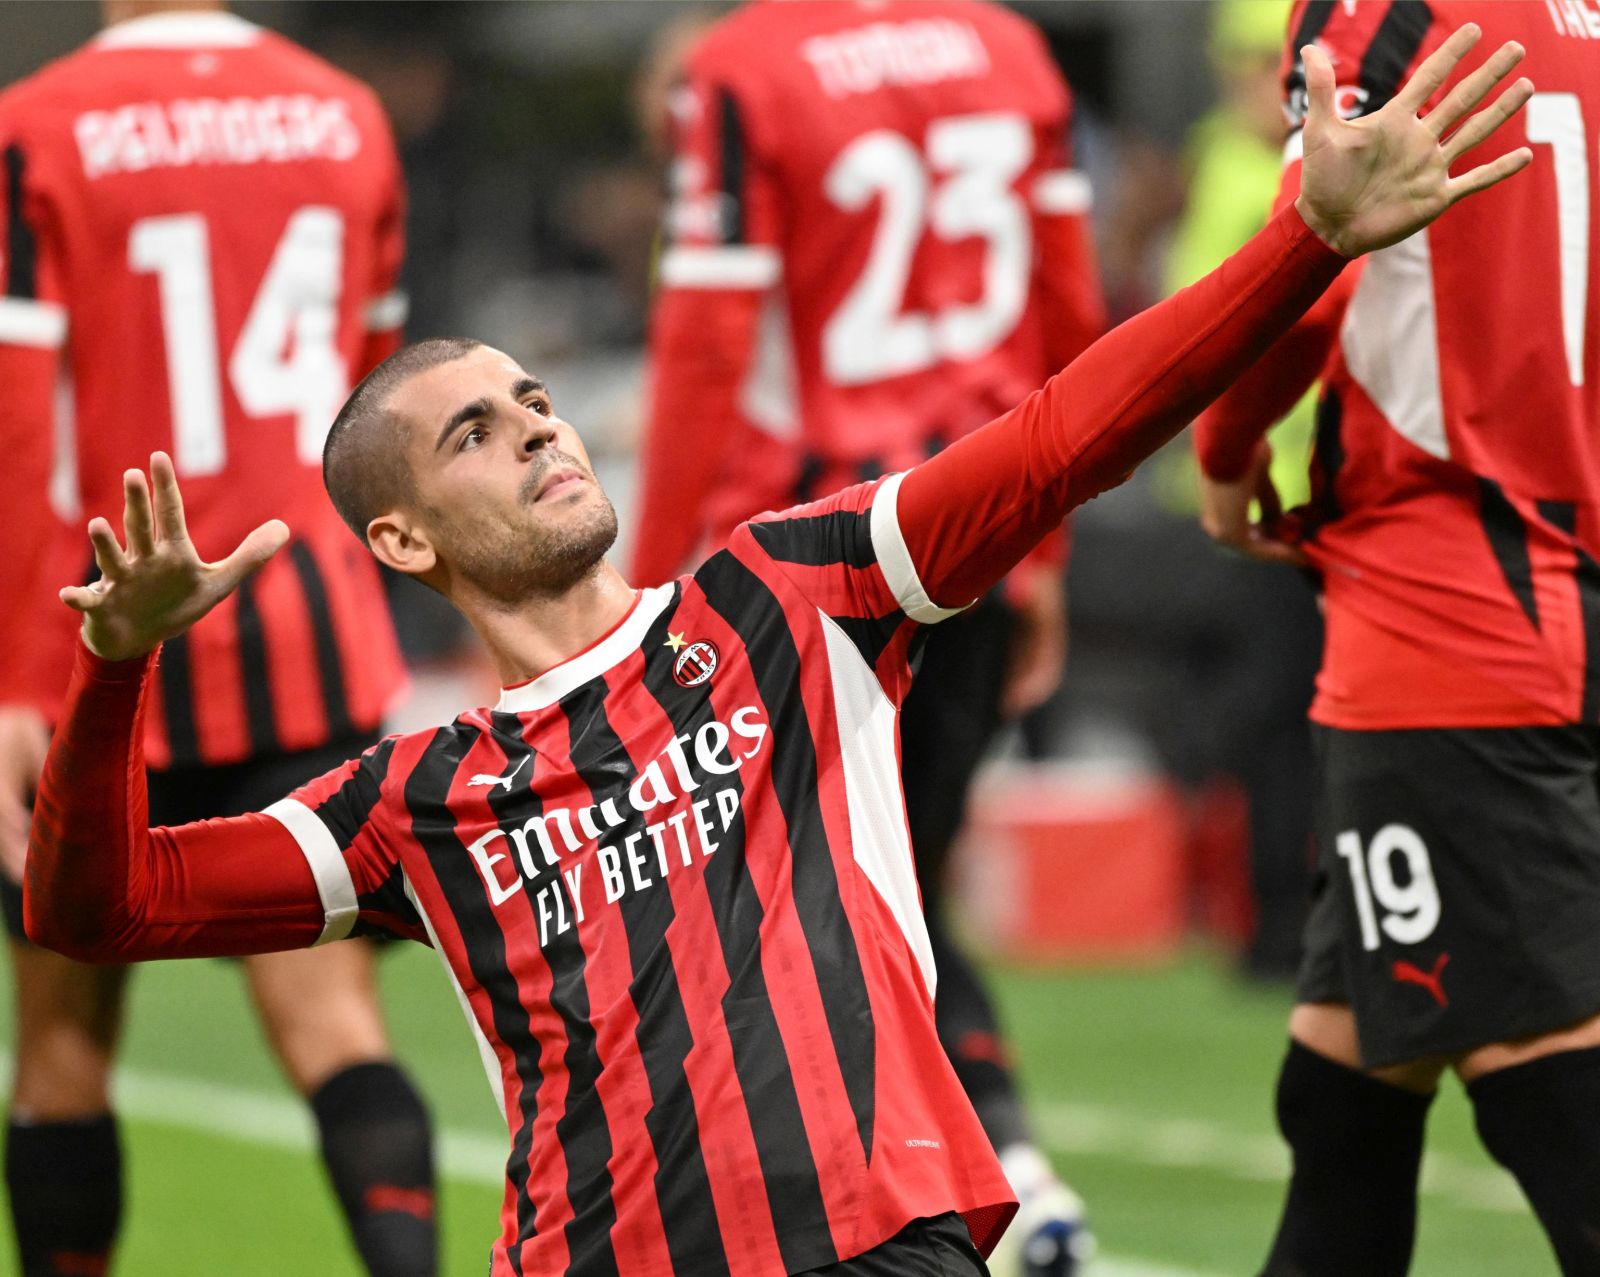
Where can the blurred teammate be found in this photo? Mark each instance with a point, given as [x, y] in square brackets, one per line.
[1455, 523]
[200, 232]
[876, 243]
[670, 871]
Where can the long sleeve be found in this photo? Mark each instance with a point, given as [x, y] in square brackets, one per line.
[102, 887]
[972, 512]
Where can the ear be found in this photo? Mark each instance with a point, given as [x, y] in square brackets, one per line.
[400, 544]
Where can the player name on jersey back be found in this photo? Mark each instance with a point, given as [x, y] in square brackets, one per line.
[273, 129]
[924, 51]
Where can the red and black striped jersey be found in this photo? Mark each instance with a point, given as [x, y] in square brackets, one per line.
[671, 876]
[672, 880]
[1456, 509]
[200, 233]
[876, 243]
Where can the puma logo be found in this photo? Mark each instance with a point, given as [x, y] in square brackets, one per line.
[483, 778]
[1406, 973]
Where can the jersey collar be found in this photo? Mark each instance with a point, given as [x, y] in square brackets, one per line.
[558, 681]
[204, 29]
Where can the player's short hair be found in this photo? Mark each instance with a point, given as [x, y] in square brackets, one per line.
[364, 465]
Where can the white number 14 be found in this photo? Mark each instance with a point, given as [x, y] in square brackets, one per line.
[286, 359]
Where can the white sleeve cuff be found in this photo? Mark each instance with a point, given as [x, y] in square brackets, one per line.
[24, 322]
[889, 544]
[334, 884]
[388, 311]
[735, 266]
[1063, 191]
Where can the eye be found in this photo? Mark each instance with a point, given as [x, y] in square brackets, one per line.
[540, 406]
[472, 437]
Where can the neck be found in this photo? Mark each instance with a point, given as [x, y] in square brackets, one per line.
[115, 11]
[527, 638]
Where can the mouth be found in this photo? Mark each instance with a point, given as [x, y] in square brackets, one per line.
[560, 480]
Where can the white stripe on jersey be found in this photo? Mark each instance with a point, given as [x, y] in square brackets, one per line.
[334, 884]
[388, 311]
[1063, 191]
[879, 839]
[491, 1062]
[556, 682]
[735, 266]
[889, 544]
[1390, 338]
[29, 323]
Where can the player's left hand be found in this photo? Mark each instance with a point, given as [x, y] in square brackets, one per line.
[1370, 182]
[1225, 513]
[158, 586]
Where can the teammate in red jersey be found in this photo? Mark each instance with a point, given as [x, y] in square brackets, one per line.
[670, 871]
[876, 221]
[1454, 526]
[200, 230]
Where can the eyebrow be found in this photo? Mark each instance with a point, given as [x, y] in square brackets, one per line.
[480, 408]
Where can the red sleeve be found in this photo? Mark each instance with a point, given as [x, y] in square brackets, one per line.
[965, 517]
[102, 887]
[1066, 274]
[1226, 433]
[720, 257]
[385, 313]
[33, 329]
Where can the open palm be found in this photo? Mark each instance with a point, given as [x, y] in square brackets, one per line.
[157, 586]
[1369, 183]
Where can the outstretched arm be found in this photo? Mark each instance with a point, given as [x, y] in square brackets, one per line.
[99, 884]
[969, 514]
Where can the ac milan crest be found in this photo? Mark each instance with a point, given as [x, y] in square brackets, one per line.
[695, 664]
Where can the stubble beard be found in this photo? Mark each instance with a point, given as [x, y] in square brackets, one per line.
[513, 564]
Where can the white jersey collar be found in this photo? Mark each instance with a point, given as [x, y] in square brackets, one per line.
[558, 681]
[181, 29]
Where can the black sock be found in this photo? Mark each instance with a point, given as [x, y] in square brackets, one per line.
[1541, 1121]
[1357, 1145]
[66, 1194]
[378, 1146]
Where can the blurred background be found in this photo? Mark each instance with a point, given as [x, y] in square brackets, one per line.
[1142, 917]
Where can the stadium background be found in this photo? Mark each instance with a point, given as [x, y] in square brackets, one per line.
[535, 184]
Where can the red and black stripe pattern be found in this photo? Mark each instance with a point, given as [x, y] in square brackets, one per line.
[678, 928]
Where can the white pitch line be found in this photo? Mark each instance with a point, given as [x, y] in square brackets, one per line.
[1126, 1137]
[478, 1157]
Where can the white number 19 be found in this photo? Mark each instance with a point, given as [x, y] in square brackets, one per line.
[1411, 909]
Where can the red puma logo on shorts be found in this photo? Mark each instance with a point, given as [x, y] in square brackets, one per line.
[1406, 973]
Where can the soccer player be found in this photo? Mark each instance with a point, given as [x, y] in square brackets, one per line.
[200, 232]
[669, 870]
[876, 243]
[1453, 523]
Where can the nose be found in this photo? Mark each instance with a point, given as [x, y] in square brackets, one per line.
[538, 432]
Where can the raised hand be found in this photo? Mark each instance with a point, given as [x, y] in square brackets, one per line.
[1370, 182]
[158, 586]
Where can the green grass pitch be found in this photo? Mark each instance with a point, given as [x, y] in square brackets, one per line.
[1152, 1091]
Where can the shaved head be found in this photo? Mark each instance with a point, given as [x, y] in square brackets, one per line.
[364, 463]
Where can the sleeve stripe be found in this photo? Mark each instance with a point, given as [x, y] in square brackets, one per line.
[895, 559]
[744, 266]
[31, 323]
[388, 311]
[317, 845]
[1063, 191]
[21, 247]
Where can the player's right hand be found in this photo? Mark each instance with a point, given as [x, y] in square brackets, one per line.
[1225, 512]
[158, 586]
[1370, 182]
[24, 740]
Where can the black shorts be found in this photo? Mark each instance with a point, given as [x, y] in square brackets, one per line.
[937, 1247]
[183, 795]
[1457, 895]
